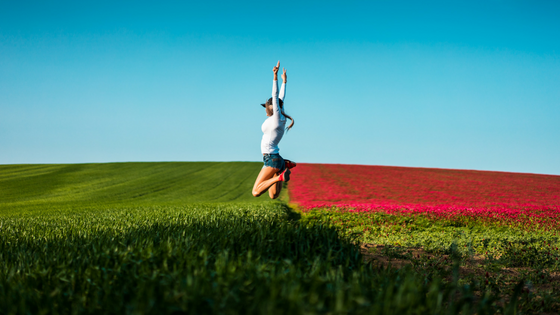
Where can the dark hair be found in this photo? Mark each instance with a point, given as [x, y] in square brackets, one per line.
[281, 103]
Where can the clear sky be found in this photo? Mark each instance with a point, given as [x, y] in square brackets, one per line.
[446, 84]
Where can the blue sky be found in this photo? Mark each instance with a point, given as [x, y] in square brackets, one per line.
[446, 84]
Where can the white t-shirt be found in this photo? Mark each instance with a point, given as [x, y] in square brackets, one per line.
[274, 126]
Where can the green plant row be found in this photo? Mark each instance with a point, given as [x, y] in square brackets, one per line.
[493, 257]
[520, 248]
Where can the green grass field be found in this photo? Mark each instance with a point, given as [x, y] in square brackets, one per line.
[188, 238]
[74, 186]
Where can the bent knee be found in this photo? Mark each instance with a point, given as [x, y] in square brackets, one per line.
[255, 193]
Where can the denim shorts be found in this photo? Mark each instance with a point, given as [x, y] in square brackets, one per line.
[275, 161]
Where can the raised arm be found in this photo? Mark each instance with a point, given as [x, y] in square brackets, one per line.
[275, 105]
[283, 87]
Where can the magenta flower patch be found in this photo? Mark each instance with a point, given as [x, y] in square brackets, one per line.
[515, 199]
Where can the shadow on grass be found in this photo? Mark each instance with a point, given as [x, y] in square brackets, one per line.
[291, 214]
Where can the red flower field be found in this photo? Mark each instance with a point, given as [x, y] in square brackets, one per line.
[513, 198]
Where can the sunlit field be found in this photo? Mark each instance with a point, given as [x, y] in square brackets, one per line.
[188, 238]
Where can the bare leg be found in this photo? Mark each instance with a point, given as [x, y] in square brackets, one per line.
[265, 179]
[274, 190]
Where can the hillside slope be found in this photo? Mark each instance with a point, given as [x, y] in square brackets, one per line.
[339, 184]
[125, 184]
